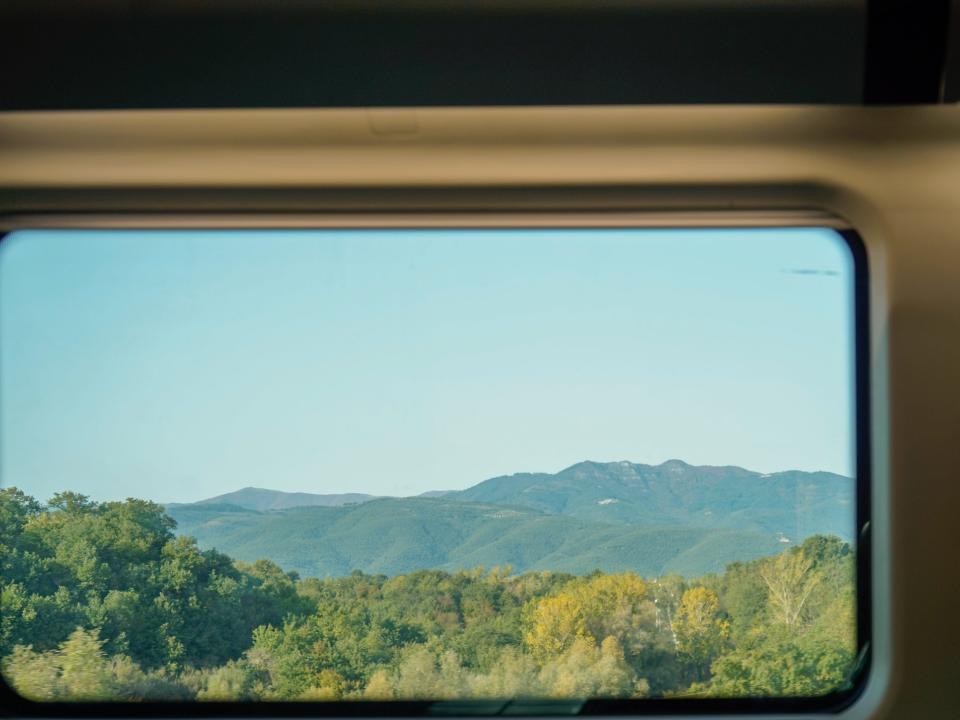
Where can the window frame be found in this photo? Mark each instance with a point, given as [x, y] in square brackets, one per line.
[513, 219]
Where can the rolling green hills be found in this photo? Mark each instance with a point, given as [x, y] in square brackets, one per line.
[398, 535]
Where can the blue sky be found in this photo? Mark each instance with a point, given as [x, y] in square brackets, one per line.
[180, 365]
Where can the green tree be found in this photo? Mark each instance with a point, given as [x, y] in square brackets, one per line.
[84, 667]
[781, 666]
[33, 675]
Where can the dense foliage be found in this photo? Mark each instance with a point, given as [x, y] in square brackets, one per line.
[102, 600]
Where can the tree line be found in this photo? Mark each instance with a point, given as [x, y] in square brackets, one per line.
[104, 601]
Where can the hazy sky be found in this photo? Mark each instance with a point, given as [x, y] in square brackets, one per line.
[180, 365]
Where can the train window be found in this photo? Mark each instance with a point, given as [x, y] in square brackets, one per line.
[380, 471]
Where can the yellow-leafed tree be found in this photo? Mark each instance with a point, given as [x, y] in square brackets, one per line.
[555, 624]
[701, 630]
[593, 609]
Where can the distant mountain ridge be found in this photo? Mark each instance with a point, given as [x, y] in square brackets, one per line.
[792, 502]
[653, 519]
[261, 499]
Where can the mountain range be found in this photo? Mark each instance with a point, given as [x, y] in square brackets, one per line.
[653, 519]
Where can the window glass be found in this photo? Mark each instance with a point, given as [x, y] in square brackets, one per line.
[378, 465]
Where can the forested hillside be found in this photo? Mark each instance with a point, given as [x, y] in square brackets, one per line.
[102, 600]
[400, 535]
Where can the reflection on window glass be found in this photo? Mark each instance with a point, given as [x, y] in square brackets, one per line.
[427, 464]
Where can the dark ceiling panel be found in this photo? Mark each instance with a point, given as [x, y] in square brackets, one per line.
[951, 80]
[906, 51]
[256, 54]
